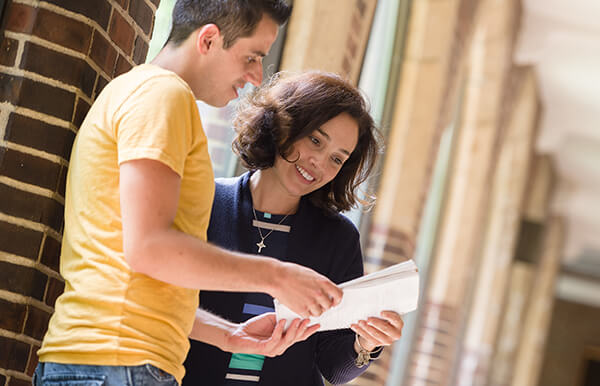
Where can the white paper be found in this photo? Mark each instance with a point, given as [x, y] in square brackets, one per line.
[395, 288]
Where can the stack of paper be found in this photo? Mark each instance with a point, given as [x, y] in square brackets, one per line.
[395, 288]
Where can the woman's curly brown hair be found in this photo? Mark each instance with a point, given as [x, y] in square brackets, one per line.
[290, 107]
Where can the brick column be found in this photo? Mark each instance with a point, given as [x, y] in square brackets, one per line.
[506, 198]
[535, 215]
[55, 57]
[437, 34]
[536, 323]
[328, 35]
[438, 334]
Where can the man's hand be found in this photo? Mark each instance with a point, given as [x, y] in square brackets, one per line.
[376, 332]
[265, 336]
[305, 291]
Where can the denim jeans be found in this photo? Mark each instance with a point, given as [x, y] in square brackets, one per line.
[57, 374]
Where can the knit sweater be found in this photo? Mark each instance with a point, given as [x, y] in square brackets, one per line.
[327, 244]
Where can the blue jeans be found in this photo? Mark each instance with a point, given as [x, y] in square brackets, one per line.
[57, 374]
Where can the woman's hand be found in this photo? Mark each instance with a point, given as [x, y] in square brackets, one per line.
[375, 332]
[265, 336]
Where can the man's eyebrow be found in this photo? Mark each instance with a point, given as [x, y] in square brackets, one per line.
[327, 137]
[259, 53]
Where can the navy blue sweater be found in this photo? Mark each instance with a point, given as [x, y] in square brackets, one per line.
[327, 244]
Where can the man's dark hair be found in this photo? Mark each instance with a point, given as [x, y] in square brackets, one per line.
[235, 18]
[290, 107]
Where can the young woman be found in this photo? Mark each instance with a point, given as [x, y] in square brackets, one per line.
[309, 142]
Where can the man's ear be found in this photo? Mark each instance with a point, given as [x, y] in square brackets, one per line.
[207, 37]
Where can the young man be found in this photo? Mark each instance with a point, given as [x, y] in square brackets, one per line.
[138, 200]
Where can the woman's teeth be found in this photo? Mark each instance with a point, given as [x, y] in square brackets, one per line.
[305, 174]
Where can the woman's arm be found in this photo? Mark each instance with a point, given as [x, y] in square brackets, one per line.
[260, 335]
[337, 351]
[336, 354]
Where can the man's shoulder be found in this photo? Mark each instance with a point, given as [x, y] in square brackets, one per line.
[149, 78]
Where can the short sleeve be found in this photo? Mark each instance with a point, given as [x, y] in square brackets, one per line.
[155, 122]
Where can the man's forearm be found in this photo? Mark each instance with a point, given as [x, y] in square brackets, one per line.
[183, 260]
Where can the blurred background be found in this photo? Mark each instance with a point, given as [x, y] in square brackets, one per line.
[490, 179]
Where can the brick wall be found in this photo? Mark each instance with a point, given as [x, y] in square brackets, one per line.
[55, 57]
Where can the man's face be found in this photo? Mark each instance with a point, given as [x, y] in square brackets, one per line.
[230, 69]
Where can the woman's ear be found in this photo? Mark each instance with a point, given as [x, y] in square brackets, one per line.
[207, 37]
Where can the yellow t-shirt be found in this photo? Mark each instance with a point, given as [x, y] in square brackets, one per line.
[109, 315]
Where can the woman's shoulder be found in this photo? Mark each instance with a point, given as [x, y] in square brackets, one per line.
[229, 183]
[227, 192]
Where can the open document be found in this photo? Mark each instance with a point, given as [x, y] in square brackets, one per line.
[395, 288]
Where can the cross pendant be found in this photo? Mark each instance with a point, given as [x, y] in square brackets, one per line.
[260, 245]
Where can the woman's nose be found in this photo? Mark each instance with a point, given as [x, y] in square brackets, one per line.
[317, 159]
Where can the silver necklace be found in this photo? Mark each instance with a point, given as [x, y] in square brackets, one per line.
[261, 244]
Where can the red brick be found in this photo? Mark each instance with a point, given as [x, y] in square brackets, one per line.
[14, 354]
[47, 99]
[22, 280]
[39, 135]
[81, 111]
[121, 32]
[37, 323]
[56, 65]
[18, 382]
[100, 84]
[33, 360]
[30, 169]
[37, 96]
[103, 53]
[20, 241]
[63, 30]
[97, 10]
[62, 181]
[143, 15]
[10, 87]
[140, 50]
[32, 207]
[20, 17]
[13, 316]
[8, 52]
[55, 289]
[122, 66]
[51, 253]
[124, 4]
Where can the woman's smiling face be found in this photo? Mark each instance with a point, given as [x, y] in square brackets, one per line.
[318, 157]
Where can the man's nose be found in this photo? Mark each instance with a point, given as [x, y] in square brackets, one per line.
[255, 75]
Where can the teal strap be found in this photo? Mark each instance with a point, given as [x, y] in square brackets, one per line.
[246, 361]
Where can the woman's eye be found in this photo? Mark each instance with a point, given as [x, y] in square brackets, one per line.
[337, 160]
[314, 140]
